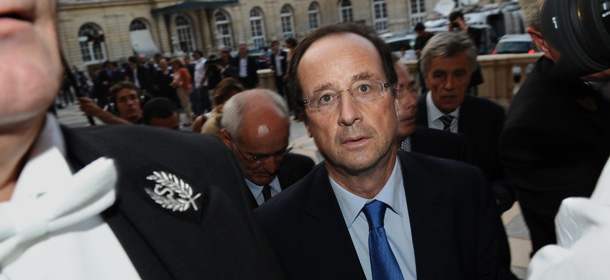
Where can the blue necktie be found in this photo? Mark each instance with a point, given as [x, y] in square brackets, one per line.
[383, 262]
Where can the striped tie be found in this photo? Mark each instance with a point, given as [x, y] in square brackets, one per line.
[446, 120]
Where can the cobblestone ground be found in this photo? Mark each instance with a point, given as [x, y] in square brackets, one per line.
[518, 235]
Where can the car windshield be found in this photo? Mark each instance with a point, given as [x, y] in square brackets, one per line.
[514, 47]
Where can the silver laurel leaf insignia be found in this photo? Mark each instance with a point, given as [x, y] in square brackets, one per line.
[166, 185]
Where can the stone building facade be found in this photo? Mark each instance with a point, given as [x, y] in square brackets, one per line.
[93, 31]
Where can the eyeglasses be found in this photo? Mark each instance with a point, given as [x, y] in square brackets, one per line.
[363, 91]
[402, 89]
[258, 159]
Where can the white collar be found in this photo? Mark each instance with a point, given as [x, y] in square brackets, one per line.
[46, 162]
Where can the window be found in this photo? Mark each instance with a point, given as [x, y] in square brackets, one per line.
[137, 24]
[345, 9]
[185, 34]
[314, 16]
[92, 47]
[417, 11]
[287, 23]
[380, 13]
[258, 28]
[223, 29]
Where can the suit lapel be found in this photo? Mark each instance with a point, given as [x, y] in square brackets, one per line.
[327, 237]
[465, 119]
[141, 255]
[422, 111]
[431, 223]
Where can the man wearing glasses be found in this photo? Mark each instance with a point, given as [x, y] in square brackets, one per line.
[256, 128]
[371, 211]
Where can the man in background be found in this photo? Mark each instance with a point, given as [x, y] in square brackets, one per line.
[256, 127]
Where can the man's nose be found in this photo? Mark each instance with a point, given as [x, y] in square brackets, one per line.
[349, 110]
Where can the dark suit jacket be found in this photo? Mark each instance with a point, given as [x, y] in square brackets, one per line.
[438, 143]
[252, 79]
[481, 121]
[219, 240]
[555, 143]
[282, 62]
[293, 168]
[456, 231]
[144, 77]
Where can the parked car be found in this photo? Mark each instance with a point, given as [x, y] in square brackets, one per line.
[516, 43]
[401, 41]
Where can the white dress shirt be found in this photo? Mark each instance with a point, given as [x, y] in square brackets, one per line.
[257, 191]
[86, 250]
[396, 223]
[434, 114]
[243, 67]
[278, 64]
[200, 72]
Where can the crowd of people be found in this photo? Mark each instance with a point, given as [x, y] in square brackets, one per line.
[409, 187]
[190, 84]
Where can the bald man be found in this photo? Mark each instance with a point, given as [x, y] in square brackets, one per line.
[256, 127]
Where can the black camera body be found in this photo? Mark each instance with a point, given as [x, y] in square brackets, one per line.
[580, 31]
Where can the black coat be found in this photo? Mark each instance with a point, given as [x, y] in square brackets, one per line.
[438, 143]
[457, 233]
[292, 169]
[218, 240]
[555, 143]
[252, 79]
[481, 121]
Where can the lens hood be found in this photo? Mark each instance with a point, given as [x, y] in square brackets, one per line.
[576, 29]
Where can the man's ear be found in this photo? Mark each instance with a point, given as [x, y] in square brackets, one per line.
[538, 40]
[226, 138]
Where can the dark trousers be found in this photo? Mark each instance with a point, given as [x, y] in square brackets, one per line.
[200, 100]
[281, 89]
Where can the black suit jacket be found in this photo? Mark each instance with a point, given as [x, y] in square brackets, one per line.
[143, 76]
[481, 121]
[252, 79]
[438, 143]
[293, 168]
[219, 240]
[456, 231]
[555, 143]
[282, 62]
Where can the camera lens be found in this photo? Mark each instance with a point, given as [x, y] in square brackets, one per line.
[605, 14]
[578, 29]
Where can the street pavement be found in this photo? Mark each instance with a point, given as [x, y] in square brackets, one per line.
[516, 230]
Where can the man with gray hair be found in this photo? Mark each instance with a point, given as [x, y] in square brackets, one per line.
[448, 60]
[256, 127]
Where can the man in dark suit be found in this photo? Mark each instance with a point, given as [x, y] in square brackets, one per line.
[105, 79]
[369, 211]
[246, 68]
[138, 74]
[100, 203]
[418, 138]
[447, 62]
[556, 138]
[256, 127]
[278, 64]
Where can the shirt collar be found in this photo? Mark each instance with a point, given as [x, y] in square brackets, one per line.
[257, 189]
[46, 162]
[434, 113]
[391, 194]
